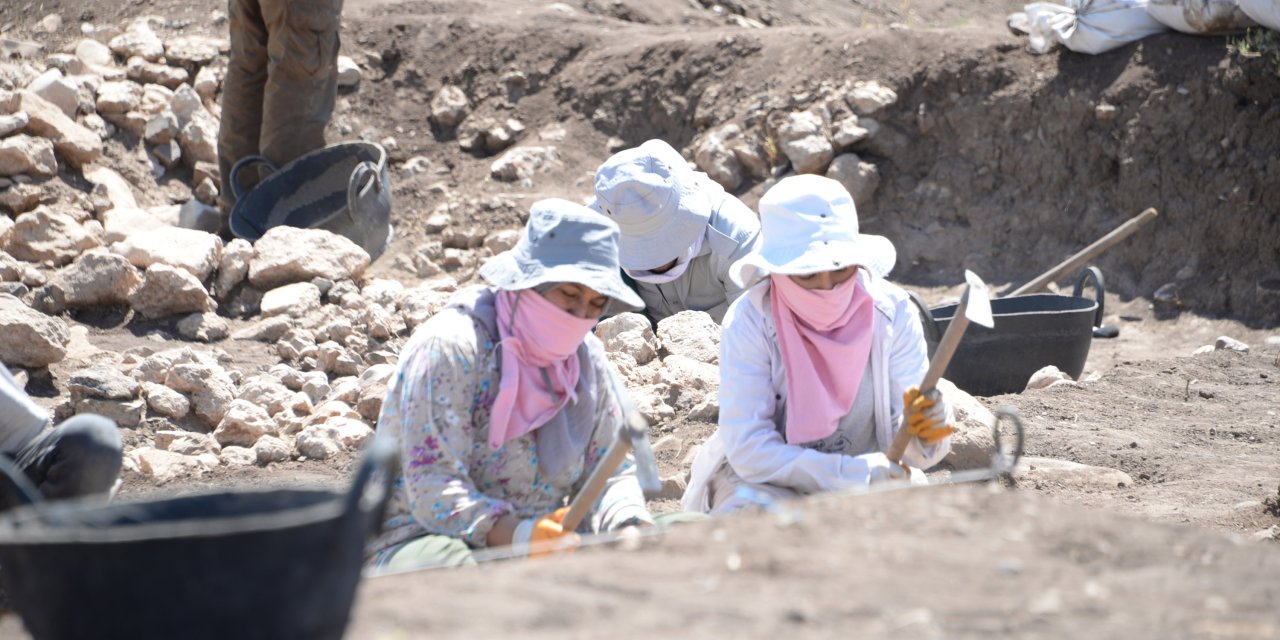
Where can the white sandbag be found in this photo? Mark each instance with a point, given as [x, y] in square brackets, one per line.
[1264, 12]
[1089, 26]
[1201, 17]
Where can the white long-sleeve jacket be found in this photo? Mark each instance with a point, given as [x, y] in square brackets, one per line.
[753, 393]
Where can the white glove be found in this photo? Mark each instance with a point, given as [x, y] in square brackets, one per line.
[870, 468]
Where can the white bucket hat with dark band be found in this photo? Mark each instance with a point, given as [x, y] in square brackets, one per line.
[809, 224]
[564, 242]
[657, 201]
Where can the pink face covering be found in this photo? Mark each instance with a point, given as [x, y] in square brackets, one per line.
[540, 338]
[824, 337]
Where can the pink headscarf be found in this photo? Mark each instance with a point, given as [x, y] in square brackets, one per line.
[540, 338]
[825, 337]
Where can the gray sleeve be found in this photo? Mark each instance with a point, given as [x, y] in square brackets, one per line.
[739, 224]
[20, 418]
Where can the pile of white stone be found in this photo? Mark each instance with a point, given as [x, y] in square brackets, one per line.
[56, 111]
[336, 334]
[823, 139]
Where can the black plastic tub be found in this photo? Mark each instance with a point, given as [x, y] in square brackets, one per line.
[1030, 333]
[244, 564]
[344, 188]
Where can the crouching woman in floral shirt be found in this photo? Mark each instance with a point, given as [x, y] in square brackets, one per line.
[504, 402]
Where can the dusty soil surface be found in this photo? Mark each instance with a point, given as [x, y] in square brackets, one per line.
[993, 159]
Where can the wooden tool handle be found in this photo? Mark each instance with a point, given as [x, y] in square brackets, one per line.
[941, 358]
[1088, 253]
[594, 486]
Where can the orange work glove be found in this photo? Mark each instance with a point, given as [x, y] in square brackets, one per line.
[923, 417]
[548, 537]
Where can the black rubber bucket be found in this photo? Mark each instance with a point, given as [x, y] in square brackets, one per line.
[1031, 332]
[245, 564]
[344, 188]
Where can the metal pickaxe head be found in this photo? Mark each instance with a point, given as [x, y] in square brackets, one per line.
[635, 429]
[976, 303]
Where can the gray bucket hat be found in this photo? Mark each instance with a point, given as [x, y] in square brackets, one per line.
[660, 203]
[564, 242]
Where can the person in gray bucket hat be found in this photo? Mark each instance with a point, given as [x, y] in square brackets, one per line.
[503, 402]
[680, 230]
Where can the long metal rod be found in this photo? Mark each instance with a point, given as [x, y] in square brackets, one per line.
[781, 509]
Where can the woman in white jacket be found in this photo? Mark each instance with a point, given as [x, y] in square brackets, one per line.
[818, 360]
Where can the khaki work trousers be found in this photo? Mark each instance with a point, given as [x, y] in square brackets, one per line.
[281, 84]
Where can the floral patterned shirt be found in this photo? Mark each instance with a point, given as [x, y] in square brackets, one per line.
[437, 410]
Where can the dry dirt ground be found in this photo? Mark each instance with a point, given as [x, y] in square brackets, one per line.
[996, 160]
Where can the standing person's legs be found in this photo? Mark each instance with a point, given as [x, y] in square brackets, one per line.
[302, 79]
[79, 457]
[242, 95]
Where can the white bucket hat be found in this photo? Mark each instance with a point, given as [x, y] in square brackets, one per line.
[657, 201]
[809, 224]
[564, 242]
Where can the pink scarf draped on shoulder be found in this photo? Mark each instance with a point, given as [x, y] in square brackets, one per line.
[825, 338]
[541, 337]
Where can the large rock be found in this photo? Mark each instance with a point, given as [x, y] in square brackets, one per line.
[205, 327]
[207, 81]
[271, 449]
[186, 442]
[118, 97]
[449, 106]
[234, 266]
[167, 291]
[93, 53]
[803, 139]
[164, 466]
[101, 382]
[692, 381]
[59, 91]
[208, 386]
[295, 300]
[972, 444]
[266, 392]
[195, 50]
[348, 72]
[76, 144]
[860, 178]
[319, 442]
[44, 235]
[95, 279]
[13, 122]
[141, 70]
[373, 388]
[521, 163]
[27, 155]
[199, 140]
[127, 414]
[285, 255]
[196, 252]
[715, 156]
[118, 190]
[166, 402]
[692, 334]
[869, 97]
[122, 223]
[629, 333]
[243, 424]
[28, 338]
[138, 40]
[20, 198]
